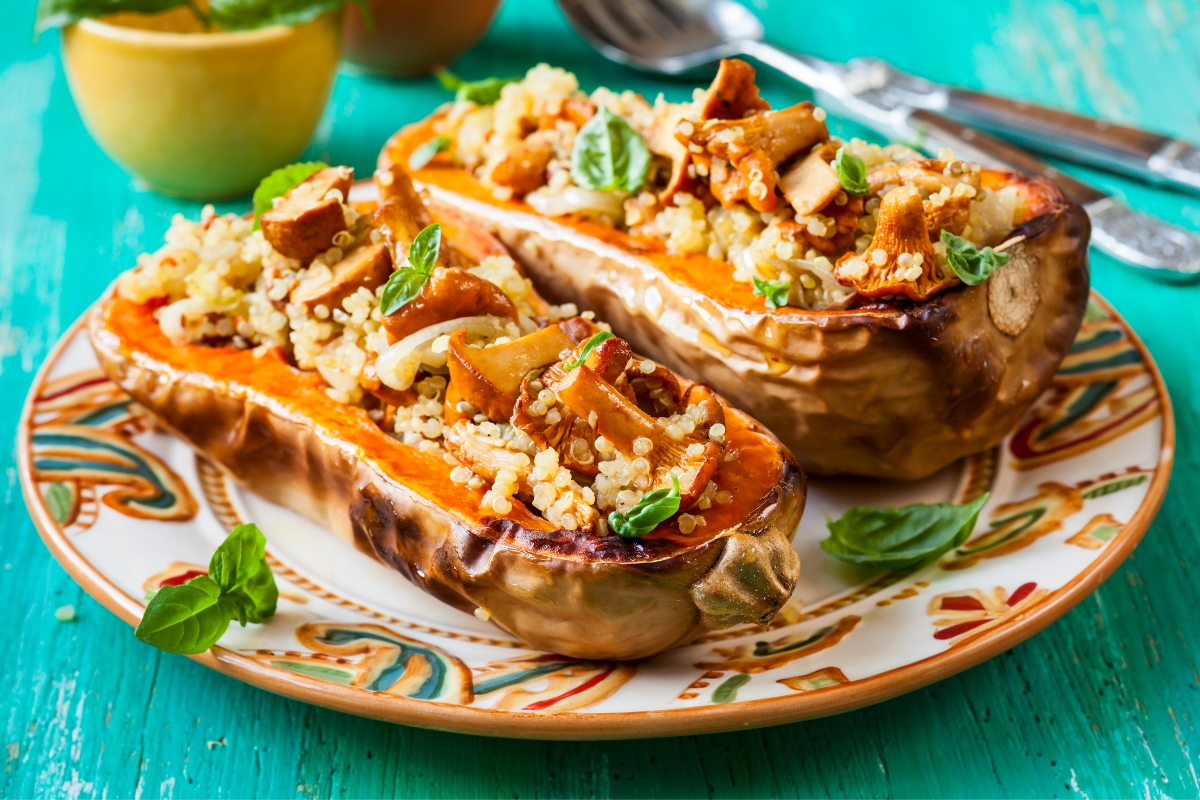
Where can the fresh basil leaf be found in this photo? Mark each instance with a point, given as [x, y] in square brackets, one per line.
[401, 287]
[972, 266]
[241, 15]
[57, 13]
[588, 347]
[482, 92]
[609, 154]
[852, 172]
[279, 182]
[899, 538]
[186, 619]
[776, 292]
[449, 81]
[423, 252]
[240, 569]
[425, 153]
[651, 511]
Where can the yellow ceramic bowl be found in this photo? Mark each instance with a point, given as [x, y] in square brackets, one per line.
[201, 115]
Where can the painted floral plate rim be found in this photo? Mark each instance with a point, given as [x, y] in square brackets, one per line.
[1075, 486]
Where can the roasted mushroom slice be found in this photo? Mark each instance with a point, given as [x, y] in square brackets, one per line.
[449, 294]
[309, 215]
[810, 184]
[733, 92]
[754, 146]
[365, 267]
[523, 168]
[402, 215]
[487, 451]
[489, 378]
[901, 260]
[556, 426]
[946, 188]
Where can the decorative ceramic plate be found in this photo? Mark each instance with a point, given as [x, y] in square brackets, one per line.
[126, 508]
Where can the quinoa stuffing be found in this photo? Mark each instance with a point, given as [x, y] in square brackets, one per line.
[525, 401]
[725, 176]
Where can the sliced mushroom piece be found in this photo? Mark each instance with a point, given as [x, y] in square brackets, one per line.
[810, 184]
[402, 215]
[365, 267]
[901, 259]
[489, 378]
[755, 146]
[692, 457]
[309, 215]
[947, 195]
[555, 426]
[523, 168]
[448, 294]
[733, 92]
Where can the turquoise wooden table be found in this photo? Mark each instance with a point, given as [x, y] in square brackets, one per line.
[1102, 704]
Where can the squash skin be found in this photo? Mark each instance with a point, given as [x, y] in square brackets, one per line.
[886, 390]
[272, 427]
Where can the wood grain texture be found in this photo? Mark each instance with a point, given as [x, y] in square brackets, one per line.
[1102, 704]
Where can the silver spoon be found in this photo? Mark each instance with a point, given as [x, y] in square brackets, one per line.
[678, 36]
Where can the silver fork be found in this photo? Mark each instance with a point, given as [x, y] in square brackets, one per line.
[679, 36]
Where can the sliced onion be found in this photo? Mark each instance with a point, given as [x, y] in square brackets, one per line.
[399, 363]
[574, 200]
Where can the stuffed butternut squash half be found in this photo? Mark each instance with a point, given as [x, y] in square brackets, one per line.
[387, 370]
[883, 313]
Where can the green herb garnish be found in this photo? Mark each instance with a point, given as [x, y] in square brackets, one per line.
[651, 511]
[609, 154]
[279, 183]
[775, 292]
[899, 538]
[227, 15]
[588, 347]
[852, 172]
[190, 618]
[425, 153]
[406, 282]
[483, 92]
[972, 266]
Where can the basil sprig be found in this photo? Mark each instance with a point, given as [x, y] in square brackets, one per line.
[651, 511]
[972, 266]
[588, 347]
[425, 153]
[190, 618]
[279, 183]
[406, 282]
[227, 15]
[609, 154]
[899, 538]
[775, 292]
[852, 172]
[483, 92]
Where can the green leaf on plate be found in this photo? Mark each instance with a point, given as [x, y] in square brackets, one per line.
[899, 538]
[609, 154]
[186, 619]
[972, 266]
[60, 502]
[240, 569]
[279, 182]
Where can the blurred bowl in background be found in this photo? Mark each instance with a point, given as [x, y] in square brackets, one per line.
[413, 37]
[200, 114]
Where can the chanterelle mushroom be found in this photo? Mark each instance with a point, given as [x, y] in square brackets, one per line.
[597, 422]
[449, 294]
[901, 259]
[741, 154]
[309, 215]
[946, 188]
